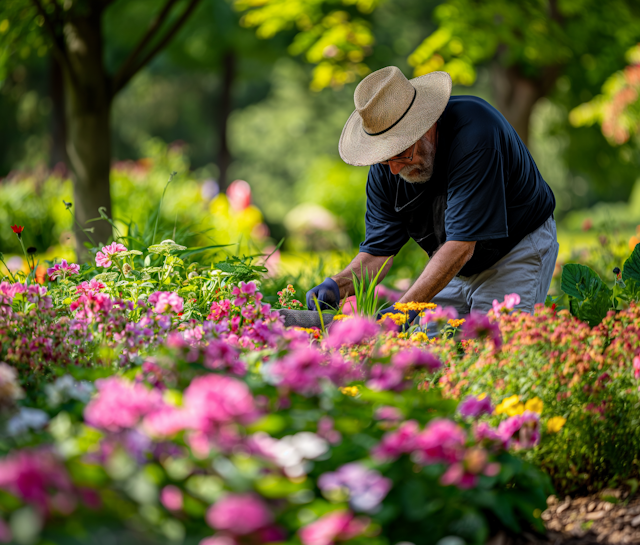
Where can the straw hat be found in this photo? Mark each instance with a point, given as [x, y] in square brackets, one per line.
[392, 113]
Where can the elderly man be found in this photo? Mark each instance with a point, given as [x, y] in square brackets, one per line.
[451, 173]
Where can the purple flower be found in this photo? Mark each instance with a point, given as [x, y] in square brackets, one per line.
[416, 357]
[239, 514]
[386, 377]
[302, 370]
[63, 269]
[166, 301]
[474, 407]
[479, 325]
[103, 258]
[350, 332]
[367, 487]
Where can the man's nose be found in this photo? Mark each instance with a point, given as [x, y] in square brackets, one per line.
[395, 167]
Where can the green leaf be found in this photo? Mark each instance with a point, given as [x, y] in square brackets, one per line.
[631, 267]
[589, 296]
[579, 280]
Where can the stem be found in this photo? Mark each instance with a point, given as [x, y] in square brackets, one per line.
[82, 228]
[155, 228]
[26, 255]
[8, 270]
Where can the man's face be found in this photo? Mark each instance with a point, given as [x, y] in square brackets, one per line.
[420, 169]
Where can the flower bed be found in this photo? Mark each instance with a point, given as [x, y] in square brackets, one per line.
[164, 399]
[583, 380]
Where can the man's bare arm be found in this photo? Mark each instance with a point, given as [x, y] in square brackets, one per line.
[362, 262]
[442, 267]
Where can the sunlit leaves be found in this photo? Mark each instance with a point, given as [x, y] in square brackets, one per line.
[333, 40]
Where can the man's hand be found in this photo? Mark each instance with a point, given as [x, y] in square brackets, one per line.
[327, 294]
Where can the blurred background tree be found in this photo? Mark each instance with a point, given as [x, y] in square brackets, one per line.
[260, 89]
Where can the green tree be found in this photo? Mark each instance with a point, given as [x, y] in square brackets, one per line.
[73, 30]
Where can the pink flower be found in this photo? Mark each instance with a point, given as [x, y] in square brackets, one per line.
[93, 286]
[171, 498]
[636, 367]
[392, 296]
[211, 400]
[416, 357]
[350, 332]
[219, 310]
[239, 514]
[218, 540]
[509, 303]
[456, 475]
[120, 404]
[63, 269]
[327, 431]
[439, 314]
[332, 527]
[484, 432]
[441, 441]
[11, 290]
[527, 428]
[474, 407]
[398, 442]
[103, 259]
[166, 301]
[388, 413]
[38, 478]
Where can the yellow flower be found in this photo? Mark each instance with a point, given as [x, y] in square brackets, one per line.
[516, 409]
[402, 307]
[555, 424]
[420, 337]
[351, 391]
[456, 323]
[340, 317]
[534, 405]
[507, 404]
[399, 319]
[482, 396]
[419, 307]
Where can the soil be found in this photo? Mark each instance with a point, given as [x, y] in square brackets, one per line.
[611, 516]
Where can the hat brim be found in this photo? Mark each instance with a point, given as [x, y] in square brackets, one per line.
[360, 149]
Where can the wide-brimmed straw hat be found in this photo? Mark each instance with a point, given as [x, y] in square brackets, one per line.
[392, 113]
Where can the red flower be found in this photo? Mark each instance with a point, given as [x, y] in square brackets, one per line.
[17, 229]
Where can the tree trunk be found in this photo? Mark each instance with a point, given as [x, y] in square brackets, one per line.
[58, 153]
[516, 95]
[88, 106]
[226, 106]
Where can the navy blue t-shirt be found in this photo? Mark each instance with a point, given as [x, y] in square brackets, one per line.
[492, 191]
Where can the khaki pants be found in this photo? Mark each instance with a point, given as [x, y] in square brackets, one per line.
[525, 270]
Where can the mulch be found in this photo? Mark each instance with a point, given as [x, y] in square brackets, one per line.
[611, 516]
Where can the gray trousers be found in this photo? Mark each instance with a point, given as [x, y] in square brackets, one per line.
[525, 270]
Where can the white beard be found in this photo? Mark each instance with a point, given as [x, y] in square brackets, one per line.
[422, 171]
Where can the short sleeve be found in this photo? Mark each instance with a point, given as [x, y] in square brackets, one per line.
[476, 198]
[385, 233]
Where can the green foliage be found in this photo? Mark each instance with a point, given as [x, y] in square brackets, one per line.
[241, 269]
[364, 287]
[589, 296]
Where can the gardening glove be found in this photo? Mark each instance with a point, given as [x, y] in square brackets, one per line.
[411, 315]
[327, 293]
